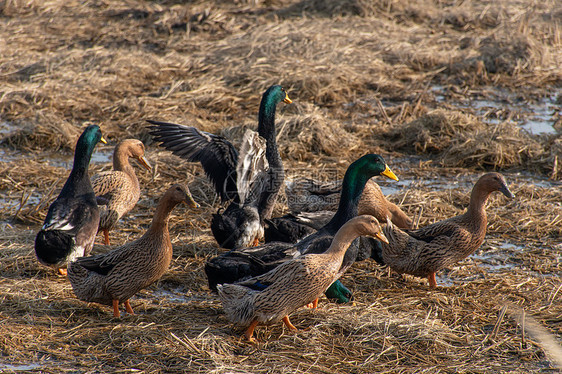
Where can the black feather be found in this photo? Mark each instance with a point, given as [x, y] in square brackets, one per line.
[217, 156]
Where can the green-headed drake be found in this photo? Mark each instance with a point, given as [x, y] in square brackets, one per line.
[237, 265]
[72, 221]
[249, 181]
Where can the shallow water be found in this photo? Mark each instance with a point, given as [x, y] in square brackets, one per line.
[175, 296]
[18, 368]
[498, 258]
[389, 188]
[7, 128]
[537, 117]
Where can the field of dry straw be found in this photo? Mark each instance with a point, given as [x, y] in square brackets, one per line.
[394, 77]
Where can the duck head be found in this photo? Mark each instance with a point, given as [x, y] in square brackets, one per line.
[135, 149]
[85, 146]
[367, 225]
[371, 165]
[338, 292]
[492, 182]
[178, 193]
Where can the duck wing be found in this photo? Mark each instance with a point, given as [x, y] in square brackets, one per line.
[428, 233]
[236, 265]
[285, 272]
[252, 167]
[69, 215]
[106, 185]
[217, 156]
[105, 262]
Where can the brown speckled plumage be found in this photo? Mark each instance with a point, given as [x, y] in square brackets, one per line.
[424, 251]
[270, 297]
[118, 191]
[122, 272]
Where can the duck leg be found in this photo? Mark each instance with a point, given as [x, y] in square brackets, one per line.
[256, 242]
[249, 334]
[62, 271]
[288, 323]
[106, 237]
[128, 307]
[116, 313]
[313, 304]
[431, 279]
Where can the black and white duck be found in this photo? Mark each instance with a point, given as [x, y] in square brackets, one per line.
[71, 223]
[247, 180]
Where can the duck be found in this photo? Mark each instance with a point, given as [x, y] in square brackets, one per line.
[271, 297]
[250, 195]
[118, 191]
[423, 252]
[114, 277]
[237, 265]
[312, 204]
[71, 224]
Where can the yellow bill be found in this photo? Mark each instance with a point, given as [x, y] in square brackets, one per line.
[103, 140]
[287, 100]
[389, 174]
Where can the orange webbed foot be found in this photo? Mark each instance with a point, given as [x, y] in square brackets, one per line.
[432, 281]
[288, 323]
[116, 313]
[62, 272]
[249, 334]
[128, 307]
[106, 237]
[313, 304]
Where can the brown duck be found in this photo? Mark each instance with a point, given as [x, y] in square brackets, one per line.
[271, 297]
[313, 204]
[114, 277]
[118, 191]
[424, 251]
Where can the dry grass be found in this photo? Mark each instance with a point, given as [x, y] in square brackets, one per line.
[361, 75]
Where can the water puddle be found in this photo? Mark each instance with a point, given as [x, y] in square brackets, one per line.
[389, 188]
[175, 296]
[6, 128]
[18, 368]
[497, 105]
[498, 256]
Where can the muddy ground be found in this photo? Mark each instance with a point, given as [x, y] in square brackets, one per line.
[443, 90]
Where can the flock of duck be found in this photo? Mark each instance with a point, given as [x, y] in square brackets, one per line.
[305, 252]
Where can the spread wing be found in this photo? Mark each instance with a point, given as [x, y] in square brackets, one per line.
[216, 154]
